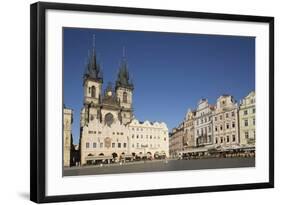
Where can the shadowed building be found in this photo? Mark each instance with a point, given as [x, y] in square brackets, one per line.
[67, 136]
[176, 141]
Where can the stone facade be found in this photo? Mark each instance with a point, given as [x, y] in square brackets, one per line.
[108, 126]
[203, 123]
[223, 125]
[189, 137]
[176, 141]
[225, 121]
[67, 136]
[247, 119]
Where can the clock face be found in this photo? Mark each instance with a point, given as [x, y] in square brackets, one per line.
[108, 119]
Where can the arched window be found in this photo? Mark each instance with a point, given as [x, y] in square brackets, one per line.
[93, 94]
[125, 95]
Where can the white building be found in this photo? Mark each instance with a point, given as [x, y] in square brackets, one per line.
[203, 125]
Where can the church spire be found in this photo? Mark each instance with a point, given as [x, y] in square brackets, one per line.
[93, 69]
[123, 78]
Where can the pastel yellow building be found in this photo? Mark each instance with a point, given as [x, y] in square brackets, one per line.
[247, 119]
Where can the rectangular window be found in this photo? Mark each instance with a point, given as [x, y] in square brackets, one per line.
[227, 126]
[233, 138]
[245, 112]
[226, 115]
[221, 127]
[246, 135]
[87, 144]
[246, 123]
[216, 128]
[254, 110]
[94, 145]
[216, 118]
[232, 114]
[119, 145]
[220, 117]
[125, 145]
[227, 138]
[233, 124]
[216, 140]
[254, 121]
[221, 139]
[113, 145]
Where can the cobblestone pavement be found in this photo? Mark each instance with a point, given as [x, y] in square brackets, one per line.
[163, 165]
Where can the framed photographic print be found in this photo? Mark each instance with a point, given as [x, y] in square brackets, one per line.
[129, 102]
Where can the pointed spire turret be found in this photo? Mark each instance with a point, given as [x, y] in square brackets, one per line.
[93, 68]
[123, 78]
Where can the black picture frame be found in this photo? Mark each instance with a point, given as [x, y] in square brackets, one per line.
[38, 101]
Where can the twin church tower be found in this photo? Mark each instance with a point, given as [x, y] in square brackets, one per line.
[117, 99]
[109, 131]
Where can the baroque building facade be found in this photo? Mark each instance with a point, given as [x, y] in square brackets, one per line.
[247, 119]
[67, 136]
[225, 121]
[225, 125]
[203, 123]
[189, 137]
[176, 141]
[108, 128]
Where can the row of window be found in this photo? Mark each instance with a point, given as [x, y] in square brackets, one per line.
[246, 112]
[139, 146]
[225, 139]
[146, 129]
[232, 114]
[101, 145]
[150, 137]
[204, 130]
[116, 145]
[227, 126]
[246, 122]
[246, 134]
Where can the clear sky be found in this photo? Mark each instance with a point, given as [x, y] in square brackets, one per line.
[170, 71]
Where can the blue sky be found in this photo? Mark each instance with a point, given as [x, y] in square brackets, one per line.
[170, 71]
